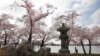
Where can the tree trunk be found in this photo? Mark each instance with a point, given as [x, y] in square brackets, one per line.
[5, 40]
[42, 43]
[89, 46]
[30, 34]
[17, 43]
[31, 25]
[83, 47]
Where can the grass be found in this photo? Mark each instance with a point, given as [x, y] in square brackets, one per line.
[55, 54]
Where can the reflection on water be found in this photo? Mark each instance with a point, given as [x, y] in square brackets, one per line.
[94, 49]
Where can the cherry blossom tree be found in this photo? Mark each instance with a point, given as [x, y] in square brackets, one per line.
[33, 16]
[69, 19]
[6, 27]
[96, 31]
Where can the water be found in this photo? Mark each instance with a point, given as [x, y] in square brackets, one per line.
[94, 49]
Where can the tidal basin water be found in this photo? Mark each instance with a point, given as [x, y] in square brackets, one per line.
[55, 49]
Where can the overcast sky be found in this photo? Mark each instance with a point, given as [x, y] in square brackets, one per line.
[89, 9]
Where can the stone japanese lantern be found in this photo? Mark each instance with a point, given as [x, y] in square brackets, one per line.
[64, 39]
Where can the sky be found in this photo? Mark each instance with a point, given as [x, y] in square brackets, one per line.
[89, 10]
